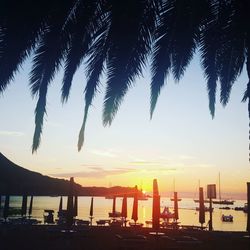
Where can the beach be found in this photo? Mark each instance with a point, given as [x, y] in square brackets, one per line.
[40, 237]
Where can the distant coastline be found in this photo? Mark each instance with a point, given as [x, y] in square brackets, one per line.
[16, 180]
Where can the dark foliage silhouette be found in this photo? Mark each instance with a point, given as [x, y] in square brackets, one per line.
[118, 38]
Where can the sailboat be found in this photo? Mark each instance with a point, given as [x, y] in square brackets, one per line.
[224, 201]
[197, 200]
[172, 199]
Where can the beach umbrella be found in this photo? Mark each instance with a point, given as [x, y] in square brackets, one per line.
[60, 205]
[75, 208]
[24, 206]
[31, 206]
[248, 207]
[156, 206]
[124, 212]
[91, 210]
[176, 213]
[135, 206]
[70, 212]
[114, 205]
[201, 206]
[6, 207]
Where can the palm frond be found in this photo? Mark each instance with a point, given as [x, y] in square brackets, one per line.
[45, 65]
[177, 36]
[188, 17]
[48, 56]
[82, 27]
[97, 58]
[130, 45]
[232, 55]
[161, 58]
[40, 111]
[19, 29]
[209, 48]
[247, 92]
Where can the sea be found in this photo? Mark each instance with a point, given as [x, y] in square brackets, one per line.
[102, 206]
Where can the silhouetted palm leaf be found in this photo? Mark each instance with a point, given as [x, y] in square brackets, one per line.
[47, 58]
[232, 55]
[81, 26]
[176, 37]
[19, 29]
[96, 61]
[120, 35]
[130, 36]
[210, 45]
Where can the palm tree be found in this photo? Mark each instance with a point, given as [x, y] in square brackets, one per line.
[117, 38]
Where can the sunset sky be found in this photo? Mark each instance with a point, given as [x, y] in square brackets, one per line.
[181, 141]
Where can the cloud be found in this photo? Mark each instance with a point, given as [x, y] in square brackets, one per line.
[187, 157]
[104, 153]
[90, 165]
[11, 133]
[203, 165]
[144, 163]
[96, 172]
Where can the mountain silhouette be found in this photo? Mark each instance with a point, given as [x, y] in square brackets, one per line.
[16, 180]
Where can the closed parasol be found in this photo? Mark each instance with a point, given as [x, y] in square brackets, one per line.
[201, 206]
[135, 206]
[156, 206]
[24, 206]
[70, 212]
[31, 206]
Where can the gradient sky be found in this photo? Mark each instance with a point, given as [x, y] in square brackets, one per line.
[181, 141]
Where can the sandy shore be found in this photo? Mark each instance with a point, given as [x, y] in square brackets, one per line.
[42, 237]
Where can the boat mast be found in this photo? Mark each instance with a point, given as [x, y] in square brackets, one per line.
[219, 188]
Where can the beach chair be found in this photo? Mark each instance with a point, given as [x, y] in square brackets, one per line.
[48, 216]
[102, 222]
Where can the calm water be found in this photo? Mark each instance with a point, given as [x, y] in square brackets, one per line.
[102, 206]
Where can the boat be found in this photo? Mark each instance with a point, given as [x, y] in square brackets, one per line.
[166, 214]
[206, 209]
[222, 201]
[239, 209]
[227, 218]
[226, 208]
[197, 200]
[172, 199]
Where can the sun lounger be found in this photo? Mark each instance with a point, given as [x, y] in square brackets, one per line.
[189, 227]
[82, 222]
[102, 222]
[135, 225]
[116, 223]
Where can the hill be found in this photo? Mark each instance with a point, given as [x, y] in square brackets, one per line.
[16, 180]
